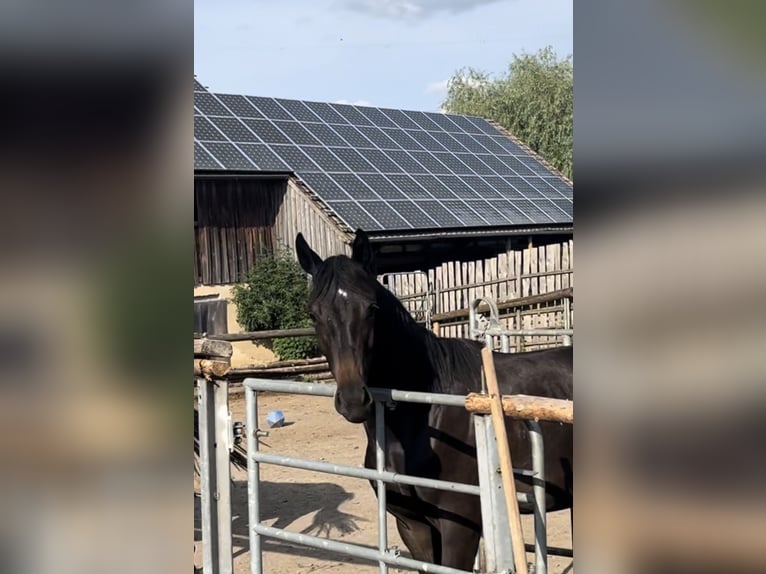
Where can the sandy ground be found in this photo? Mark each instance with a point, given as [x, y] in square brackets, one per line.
[322, 504]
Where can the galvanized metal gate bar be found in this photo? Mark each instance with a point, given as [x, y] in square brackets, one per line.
[493, 515]
[493, 327]
[215, 475]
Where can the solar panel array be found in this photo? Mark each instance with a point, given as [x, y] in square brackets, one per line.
[383, 169]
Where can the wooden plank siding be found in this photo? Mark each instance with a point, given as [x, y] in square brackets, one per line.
[239, 220]
[514, 273]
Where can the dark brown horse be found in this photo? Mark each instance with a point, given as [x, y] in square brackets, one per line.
[370, 340]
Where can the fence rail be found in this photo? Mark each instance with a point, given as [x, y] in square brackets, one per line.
[488, 488]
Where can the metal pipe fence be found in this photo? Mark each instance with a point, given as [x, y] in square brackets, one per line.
[493, 328]
[494, 521]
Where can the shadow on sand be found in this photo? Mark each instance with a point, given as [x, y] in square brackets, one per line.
[284, 503]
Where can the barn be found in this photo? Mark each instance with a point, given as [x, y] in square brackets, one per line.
[455, 205]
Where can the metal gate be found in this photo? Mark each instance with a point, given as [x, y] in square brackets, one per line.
[498, 550]
[488, 330]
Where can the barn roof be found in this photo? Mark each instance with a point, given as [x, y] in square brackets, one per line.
[381, 169]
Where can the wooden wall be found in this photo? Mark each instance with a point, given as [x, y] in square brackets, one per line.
[510, 275]
[238, 220]
[299, 213]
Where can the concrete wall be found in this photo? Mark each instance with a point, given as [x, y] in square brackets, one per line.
[244, 352]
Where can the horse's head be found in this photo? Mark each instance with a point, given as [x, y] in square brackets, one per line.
[342, 304]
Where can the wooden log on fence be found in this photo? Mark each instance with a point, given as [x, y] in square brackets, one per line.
[506, 463]
[209, 348]
[513, 303]
[297, 370]
[211, 368]
[525, 407]
[289, 363]
[318, 377]
[258, 335]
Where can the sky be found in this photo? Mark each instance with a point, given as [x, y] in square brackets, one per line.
[385, 53]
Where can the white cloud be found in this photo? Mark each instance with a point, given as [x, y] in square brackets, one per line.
[437, 87]
[411, 9]
[354, 103]
[442, 86]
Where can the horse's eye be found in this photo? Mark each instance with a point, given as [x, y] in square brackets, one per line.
[312, 316]
[372, 308]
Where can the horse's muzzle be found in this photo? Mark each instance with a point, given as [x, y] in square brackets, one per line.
[354, 404]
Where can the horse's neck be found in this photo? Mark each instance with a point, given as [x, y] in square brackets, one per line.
[401, 357]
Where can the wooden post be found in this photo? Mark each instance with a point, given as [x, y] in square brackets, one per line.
[506, 465]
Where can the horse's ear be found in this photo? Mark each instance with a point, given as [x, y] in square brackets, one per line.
[361, 251]
[307, 257]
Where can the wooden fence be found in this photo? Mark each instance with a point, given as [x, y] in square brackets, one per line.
[515, 274]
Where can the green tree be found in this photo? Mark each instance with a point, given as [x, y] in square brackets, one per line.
[274, 296]
[534, 101]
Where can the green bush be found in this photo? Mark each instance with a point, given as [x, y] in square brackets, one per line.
[273, 296]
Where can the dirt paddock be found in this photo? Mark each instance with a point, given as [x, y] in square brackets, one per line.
[322, 504]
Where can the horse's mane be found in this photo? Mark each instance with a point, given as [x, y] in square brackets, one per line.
[451, 359]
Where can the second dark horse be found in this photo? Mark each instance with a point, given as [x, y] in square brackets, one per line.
[370, 340]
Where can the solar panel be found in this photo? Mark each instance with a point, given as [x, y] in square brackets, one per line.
[352, 136]
[354, 186]
[354, 215]
[263, 157]
[459, 187]
[476, 164]
[202, 159]
[267, 131]
[353, 159]
[466, 124]
[384, 187]
[209, 105]
[434, 186]
[462, 211]
[295, 158]
[381, 161]
[411, 211]
[270, 108]
[235, 130]
[351, 115]
[427, 141]
[204, 130]
[240, 106]
[439, 213]
[487, 212]
[401, 119]
[377, 118]
[386, 215]
[325, 159]
[409, 186]
[379, 138]
[326, 112]
[229, 156]
[296, 132]
[405, 161]
[299, 110]
[470, 143]
[383, 169]
[325, 186]
[423, 121]
[325, 134]
[403, 139]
